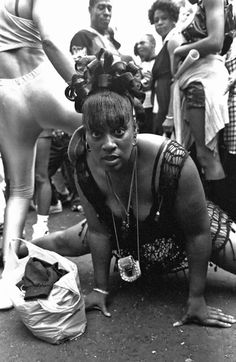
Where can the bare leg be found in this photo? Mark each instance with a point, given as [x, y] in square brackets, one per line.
[209, 161]
[19, 156]
[42, 182]
[226, 259]
[69, 242]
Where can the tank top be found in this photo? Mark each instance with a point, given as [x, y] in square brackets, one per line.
[17, 32]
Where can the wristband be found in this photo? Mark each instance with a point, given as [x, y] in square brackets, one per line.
[169, 117]
[101, 291]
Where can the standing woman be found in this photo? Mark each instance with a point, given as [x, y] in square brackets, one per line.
[203, 86]
[164, 15]
[32, 98]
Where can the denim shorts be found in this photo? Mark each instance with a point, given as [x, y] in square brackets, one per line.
[194, 95]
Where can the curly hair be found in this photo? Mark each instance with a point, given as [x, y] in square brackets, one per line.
[107, 85]
[168, 6]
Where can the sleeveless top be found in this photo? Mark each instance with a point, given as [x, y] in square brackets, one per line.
[162, 243]
[161, 67]
[161, 73]
[17, 32]
[161, 240]
[197, 29]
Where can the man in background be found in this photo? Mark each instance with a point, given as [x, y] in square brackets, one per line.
[145, 48]
[99, 35]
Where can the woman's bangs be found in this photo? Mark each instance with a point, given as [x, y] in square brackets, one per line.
[107, 111]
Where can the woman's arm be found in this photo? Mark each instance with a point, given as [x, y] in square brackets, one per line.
[168, 124]
[191, 210]
[50, 18]
[193, 219]
[100, 246]
[213, 43]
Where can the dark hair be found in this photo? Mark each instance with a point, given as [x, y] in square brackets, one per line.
[168, 6]
[104, 108]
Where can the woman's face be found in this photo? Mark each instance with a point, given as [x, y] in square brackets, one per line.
[163, 23]
[111, 146]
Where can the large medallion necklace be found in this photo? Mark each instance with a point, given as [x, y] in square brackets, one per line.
[129, 268]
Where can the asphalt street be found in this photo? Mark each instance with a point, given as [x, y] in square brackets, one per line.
[141, 325]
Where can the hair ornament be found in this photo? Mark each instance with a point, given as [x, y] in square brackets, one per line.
[104, 72]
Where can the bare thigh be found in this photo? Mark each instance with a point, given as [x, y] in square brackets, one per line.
[42, 157]
[49, 104]
[72, 241]
[18, 135]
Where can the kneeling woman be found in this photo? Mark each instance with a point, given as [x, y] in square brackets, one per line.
[142, 197]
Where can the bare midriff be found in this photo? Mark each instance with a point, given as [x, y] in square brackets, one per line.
[18, 62]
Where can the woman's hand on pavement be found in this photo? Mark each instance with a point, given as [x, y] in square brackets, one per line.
[96, 300]
[199, 313]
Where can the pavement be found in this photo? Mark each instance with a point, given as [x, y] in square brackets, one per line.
[141, 326]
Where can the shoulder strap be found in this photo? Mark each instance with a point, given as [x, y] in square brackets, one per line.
[155, 194]
[173, 160]
[161, 148]
[17, 7]
[172, 164]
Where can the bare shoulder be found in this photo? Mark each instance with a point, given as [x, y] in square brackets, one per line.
[148, 146]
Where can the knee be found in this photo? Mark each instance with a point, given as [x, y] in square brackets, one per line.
[24, 192]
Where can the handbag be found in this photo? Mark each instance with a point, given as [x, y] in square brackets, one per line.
[197, 28]
[59, 317]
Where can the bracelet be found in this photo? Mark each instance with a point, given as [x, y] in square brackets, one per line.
[101, 291]
[169, 117]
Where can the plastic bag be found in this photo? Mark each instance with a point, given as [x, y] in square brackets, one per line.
[61, 316]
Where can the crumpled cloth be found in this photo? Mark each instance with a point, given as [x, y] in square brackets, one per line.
[39, 278]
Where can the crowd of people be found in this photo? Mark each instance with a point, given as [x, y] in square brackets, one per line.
[152, 145]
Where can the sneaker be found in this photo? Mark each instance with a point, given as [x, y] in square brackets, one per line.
[55, 209]
[5, 300]
[77, 208]
[39, 231]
